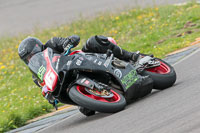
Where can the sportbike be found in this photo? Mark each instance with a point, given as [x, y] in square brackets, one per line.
[101, 82]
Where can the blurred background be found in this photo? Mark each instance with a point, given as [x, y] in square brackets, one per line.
[24, 16]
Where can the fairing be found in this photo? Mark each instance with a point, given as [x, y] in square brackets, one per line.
[100, 63]
[45, 66]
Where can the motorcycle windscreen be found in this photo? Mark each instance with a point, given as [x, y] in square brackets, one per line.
[41, 66]
[37, 65]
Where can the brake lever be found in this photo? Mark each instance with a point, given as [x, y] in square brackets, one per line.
[68, 49]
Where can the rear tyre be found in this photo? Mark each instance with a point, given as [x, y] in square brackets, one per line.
[80, 96]
[163, 76]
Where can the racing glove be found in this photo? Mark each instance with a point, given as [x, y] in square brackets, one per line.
[70, 42]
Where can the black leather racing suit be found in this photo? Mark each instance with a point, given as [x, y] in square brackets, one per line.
[95, 44]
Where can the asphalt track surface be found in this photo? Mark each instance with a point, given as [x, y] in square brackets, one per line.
[174, 110]
[25, 16]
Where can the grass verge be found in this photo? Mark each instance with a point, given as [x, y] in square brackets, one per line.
[157, 30]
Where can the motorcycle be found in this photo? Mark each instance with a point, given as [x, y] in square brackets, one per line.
[101, 82]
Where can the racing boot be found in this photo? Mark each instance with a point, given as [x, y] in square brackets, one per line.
[135, 56]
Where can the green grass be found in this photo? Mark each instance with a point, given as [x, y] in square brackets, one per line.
[157, 30]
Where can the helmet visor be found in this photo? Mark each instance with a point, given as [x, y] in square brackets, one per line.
[26, 56]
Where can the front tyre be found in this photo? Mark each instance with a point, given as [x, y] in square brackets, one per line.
[163, 76]
[106, 105]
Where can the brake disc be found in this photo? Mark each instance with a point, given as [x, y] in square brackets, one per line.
[100, 93]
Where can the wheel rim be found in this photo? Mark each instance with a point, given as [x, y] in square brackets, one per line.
[114, 99]
[162, 69]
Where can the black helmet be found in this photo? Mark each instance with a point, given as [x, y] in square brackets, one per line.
[28, 47]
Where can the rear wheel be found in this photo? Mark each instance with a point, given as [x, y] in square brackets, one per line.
[90, 100]
[163, 76]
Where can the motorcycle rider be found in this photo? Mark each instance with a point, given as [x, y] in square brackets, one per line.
[96, 44]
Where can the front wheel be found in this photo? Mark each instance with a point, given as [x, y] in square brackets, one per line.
[163, 76]
[80, 96]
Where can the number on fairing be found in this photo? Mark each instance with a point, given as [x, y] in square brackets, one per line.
[49, 79]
